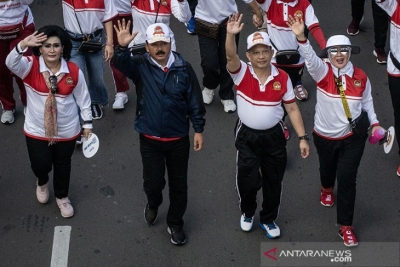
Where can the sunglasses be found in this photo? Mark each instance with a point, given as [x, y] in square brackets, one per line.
[343, 50]
[53, 84]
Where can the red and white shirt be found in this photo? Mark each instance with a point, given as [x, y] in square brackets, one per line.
[72, 91]
[216, 11]
[90, 13]
[123, 7]
[12, 12]
[259, 106]
[392, 7]
[278, 12]
[330, 118]
[144, 13]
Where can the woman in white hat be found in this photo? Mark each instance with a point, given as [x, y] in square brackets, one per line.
[343, 114]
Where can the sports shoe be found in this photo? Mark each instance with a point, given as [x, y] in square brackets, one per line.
[97, 112]
[381, 56]
[65, 207]
[120, 100]
[348, 236]
[42, 193]
[398, 171]
[300, 92]
[190, 26]
[229, 106]
[178, 237]
[7, 117]
[271, 229]
[150, 214]
[246, 223]
[208, 95]
[354, 27]
[327, 197]
[286, 132]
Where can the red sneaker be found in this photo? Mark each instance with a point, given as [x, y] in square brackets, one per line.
[348, 236]
[398, 171]
[327, 198]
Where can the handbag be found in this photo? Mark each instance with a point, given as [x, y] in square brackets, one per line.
[87, 46]
[140, 49]
[206, 29]
[286, 57]
[90, 47]
[13, 31]
[361, 124]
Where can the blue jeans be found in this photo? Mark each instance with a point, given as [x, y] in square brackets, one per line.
[91, 64]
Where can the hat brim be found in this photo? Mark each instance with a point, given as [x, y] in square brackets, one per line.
[354, 50]
[162, 39]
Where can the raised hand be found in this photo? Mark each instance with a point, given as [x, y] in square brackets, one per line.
[33, 40]
[297, 27]
[123, 33]
[234, 25]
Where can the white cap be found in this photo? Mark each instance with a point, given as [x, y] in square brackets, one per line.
[258, 38]
[158, 32]
[338, 40]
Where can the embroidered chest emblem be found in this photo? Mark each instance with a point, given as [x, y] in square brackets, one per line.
[298, 14]
[164, 2]
[69, 80]
[357, 83]
[277, 86]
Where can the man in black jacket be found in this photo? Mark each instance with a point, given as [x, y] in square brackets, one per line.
[169, 98]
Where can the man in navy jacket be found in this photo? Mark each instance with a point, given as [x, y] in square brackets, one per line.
[169, 96]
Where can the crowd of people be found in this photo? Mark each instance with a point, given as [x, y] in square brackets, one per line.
[50, 66]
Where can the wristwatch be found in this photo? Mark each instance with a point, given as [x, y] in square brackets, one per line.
[304, 137]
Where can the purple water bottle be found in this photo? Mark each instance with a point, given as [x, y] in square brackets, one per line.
[376, 136]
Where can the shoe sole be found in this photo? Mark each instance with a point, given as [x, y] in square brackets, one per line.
[123, 106]
[353, 34]
[7, 122]
[398, 174]
[266, 232]
[347, 245]
[67, 216]
[325, 205]
[172, 241]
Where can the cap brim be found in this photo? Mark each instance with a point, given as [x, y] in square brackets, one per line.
[354, 50]
[258, 44]
[155, 40]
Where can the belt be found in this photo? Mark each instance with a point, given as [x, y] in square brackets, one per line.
[85, 37]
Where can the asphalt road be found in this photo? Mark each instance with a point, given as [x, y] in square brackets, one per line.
[108, 228]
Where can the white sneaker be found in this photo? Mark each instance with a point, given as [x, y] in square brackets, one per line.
[229, 105]
[7, 117]
[246, 223]
[120, 100]
[208, 95]
[42, 193]
[272, 230]
[65, 207]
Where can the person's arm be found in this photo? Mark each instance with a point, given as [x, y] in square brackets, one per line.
[18, 64]
[109, 47]
[233, 27]
[297, 122]
[181, 10]
[82, 98]
[258, 17]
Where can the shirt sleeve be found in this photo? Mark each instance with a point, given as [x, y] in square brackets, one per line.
[110, 11]
[181, 10]
[315, 66]
[19, 64]
[368, 105]
[81, 94]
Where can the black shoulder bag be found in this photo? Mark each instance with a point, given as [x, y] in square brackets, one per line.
[87, 46]
[140, 49]
[286, 57]
[361, 124]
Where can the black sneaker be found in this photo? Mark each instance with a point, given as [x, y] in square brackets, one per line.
[97, 112]
[178, 237]
[150, 214]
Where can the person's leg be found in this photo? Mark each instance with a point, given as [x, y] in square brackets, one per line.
[225, 80]
[153, 160]
[190, 25]
[357, 13]
[6, 85]
[348, 163]
[394, 85]
[177, 157]
[62, 153]
[120, 80]
[381, 24]
[40, 155]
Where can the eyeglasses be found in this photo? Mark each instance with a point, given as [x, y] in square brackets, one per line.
[343, 50]
[53, 84]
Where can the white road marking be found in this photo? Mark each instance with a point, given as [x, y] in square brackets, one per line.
[59, 256]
